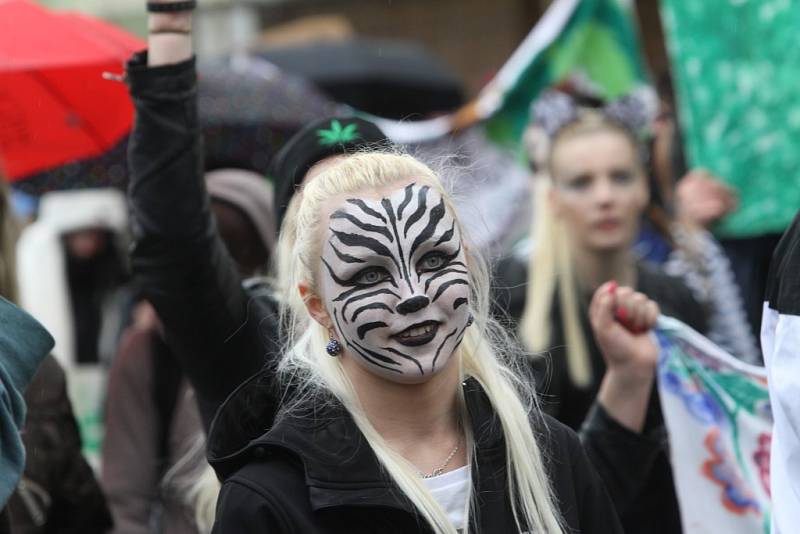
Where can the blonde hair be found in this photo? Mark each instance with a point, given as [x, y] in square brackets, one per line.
[482, 355]
[551, 268]
[8, 242]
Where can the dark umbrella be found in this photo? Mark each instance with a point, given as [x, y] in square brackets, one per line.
[248, 108]
[388, 78]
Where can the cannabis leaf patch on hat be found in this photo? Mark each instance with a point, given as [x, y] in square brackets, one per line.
[337, 134]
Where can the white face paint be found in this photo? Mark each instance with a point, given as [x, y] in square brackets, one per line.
[395, 282]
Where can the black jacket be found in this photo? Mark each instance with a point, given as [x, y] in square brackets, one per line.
[634, 467]
[315, 473]
[220, 331]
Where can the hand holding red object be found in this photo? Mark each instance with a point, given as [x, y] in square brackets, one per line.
[621, 319]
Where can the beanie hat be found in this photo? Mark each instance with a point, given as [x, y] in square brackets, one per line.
[319, 140]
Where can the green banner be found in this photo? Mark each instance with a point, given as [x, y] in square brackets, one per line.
[736, 66]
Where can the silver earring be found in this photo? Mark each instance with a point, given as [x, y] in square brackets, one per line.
[470, 319]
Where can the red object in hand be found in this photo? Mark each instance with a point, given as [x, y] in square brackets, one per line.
[55, 105]
[621, 313]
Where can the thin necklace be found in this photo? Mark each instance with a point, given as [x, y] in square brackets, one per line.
[439, 470]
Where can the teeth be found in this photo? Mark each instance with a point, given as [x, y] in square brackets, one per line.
[418, 331]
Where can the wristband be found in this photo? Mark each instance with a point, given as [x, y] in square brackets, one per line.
[172, 7]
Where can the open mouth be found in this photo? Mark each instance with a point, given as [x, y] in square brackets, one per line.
[417, 334]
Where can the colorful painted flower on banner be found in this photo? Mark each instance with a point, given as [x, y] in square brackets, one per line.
[719, 420]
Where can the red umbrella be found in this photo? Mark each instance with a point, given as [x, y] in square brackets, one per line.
[55, 106]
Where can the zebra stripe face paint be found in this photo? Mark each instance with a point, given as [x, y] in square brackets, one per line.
[394, 280]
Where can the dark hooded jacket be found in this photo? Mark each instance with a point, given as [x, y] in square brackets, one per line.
[315, 473]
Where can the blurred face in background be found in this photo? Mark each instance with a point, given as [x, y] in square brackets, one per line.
[599, 188]
[87, 243]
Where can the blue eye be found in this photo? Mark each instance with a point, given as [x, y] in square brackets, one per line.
[371, 276]
[432, 261]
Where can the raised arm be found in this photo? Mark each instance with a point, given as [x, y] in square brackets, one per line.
[612, 433]
[218, 333]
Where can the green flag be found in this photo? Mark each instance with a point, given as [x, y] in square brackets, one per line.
[594, 39]
[737, 73]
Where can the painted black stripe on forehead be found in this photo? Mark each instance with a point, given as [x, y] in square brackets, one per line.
[436, 215]
[447, 236]
[387, 207]
[406, 200]
[339, 214]
[422, 206]
[444, 287]
[347, 258]
[366, 209]
[356, 240]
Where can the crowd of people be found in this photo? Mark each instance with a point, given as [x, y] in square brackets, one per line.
[330, 352]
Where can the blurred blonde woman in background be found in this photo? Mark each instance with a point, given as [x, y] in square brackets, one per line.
[591, 193]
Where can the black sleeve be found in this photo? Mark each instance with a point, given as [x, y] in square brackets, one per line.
[580, 492]
[597, 513]
[220, 336]
[623, 459]
[242, 509]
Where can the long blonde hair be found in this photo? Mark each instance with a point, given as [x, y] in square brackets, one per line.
[551, 267]
[482, 355]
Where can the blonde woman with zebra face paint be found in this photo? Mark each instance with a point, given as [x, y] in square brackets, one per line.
[402, 411]
[403, 311]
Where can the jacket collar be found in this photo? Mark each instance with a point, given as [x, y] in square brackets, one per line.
[340, 467]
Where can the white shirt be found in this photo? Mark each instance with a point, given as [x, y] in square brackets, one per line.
[451, 491]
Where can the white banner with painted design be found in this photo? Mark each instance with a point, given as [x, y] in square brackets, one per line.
[719, 420]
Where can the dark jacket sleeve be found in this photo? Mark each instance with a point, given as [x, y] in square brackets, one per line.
[217, 332]
[242, 509]
[623, 459]
[581, 494]
[58, 492]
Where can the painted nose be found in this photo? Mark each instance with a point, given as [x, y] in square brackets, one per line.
[413, 304]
